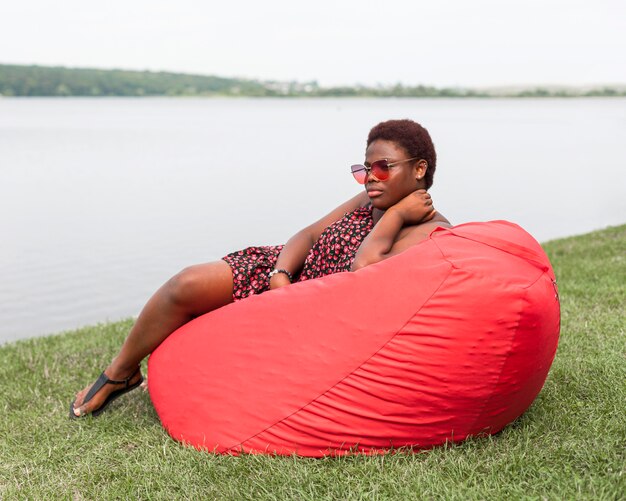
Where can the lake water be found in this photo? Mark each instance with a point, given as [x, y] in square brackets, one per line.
[102, 200]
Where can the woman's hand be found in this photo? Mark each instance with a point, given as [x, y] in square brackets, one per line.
[279, 280]
[416, 207]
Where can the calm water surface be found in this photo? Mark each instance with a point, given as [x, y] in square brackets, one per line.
[102, 200]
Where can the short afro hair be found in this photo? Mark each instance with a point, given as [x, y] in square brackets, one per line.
[411, 136]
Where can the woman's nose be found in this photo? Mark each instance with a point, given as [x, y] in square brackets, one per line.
[369, 174]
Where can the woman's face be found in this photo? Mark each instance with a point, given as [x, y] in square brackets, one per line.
[404, 178]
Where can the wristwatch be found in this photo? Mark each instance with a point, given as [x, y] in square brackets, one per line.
[275, 271]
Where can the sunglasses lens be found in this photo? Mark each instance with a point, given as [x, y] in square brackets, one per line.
[380, 169]
[360, 173]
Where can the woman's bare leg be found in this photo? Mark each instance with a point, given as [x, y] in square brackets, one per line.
[194, 291]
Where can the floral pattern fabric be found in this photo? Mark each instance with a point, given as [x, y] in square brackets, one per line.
[333, 252]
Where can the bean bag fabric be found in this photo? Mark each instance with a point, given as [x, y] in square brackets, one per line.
[454, 337]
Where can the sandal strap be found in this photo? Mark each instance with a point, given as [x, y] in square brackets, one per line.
[123, 381]
[102, 380]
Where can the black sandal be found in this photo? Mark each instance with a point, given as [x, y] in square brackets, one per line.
[97, 386]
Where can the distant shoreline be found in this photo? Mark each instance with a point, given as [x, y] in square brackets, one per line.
[297, 97]
[48, 81]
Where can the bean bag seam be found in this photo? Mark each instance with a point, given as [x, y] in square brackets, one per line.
[536, 264]
[240, 444]
[497, 279]
[538, 278]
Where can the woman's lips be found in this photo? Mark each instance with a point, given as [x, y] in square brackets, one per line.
[374, 193]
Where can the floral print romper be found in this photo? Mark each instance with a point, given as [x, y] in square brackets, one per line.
[333, 252]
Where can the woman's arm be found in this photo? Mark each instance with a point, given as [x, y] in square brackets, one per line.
[404, 224]
[297, 248]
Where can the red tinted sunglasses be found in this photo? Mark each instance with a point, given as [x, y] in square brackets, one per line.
[379, 169]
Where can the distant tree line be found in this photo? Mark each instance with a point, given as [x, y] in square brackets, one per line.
[58, 81]
[18, 80]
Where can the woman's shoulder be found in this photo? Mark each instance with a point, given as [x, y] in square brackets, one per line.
[428, 226]
[414, 234]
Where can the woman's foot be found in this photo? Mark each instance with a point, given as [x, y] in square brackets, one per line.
[95, 398]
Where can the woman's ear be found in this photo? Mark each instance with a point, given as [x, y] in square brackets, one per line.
[420, 169]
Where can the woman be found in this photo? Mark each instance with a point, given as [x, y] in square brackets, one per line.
[393, 213]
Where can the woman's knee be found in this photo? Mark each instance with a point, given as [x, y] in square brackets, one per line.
[184, 287]
[200, 288]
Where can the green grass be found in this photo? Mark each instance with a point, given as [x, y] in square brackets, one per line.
[571, 444]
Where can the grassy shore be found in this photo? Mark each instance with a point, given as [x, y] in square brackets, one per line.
[571, 444]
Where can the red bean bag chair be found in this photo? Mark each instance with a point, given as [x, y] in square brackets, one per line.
[454, 337]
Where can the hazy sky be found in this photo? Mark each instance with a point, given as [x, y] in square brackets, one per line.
[443, 43]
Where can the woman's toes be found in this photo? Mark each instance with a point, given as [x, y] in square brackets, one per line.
[80, 407]
[78, 399]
